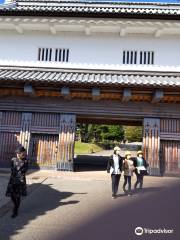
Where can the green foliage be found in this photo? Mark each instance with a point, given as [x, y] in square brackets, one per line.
[82, 132]
[99, 133]
[112, 132]
[133, 134]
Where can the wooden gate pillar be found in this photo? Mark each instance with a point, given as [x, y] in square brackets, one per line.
[25, 130]
[151, 144]
[66, 142]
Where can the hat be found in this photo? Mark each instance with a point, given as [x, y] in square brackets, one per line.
[20, 150]
[127, 153]
[116, 148]
[139, 152]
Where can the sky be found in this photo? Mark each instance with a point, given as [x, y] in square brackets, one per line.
[3, 1]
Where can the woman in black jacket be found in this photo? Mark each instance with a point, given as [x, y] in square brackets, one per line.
[114, 166]
[17, 183]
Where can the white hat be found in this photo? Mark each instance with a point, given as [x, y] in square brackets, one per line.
[117, 148]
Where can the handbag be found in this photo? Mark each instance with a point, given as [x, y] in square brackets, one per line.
[144, 172]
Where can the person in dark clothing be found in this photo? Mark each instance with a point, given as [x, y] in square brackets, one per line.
[140, 169]
[114, 166]
[17, 184]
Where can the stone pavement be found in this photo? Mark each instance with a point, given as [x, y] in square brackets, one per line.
[3, 185]
[5, 203]
[78, 206]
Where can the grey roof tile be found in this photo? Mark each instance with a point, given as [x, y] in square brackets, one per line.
[89, 7]
[74, 76]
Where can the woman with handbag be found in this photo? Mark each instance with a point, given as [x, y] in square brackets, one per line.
[17, 184]
[140, 169]
[128, 167]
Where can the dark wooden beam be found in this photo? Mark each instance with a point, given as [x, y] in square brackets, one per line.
[127, 95]
[110, 121]
[158, 96]
[96, 94]
[87, 106]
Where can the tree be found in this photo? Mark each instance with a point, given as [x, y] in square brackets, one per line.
[113, 133]
[99, 133]
[82, 132]
[133, 133]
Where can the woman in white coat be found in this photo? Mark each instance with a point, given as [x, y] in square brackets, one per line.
[114, 166]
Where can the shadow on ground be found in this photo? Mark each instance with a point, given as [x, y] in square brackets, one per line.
[84, 163]
[46, 200]
[159, 208]
[139, 192]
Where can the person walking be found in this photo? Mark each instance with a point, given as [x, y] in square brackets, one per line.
[114, 166]
[128, 167]
[17, 183]
[140, 169]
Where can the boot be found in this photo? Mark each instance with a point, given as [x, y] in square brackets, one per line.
[15, 213]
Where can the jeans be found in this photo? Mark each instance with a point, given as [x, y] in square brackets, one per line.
[127, 179]
[139, 181]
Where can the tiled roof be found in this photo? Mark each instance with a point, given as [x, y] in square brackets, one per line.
[91, 8]
[89, 77]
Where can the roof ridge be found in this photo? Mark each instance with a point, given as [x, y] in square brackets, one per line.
[91, 8]
[85, 66]
[102, 2]
[90, 4]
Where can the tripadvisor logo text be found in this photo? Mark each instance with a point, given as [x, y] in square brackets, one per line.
[140, 231]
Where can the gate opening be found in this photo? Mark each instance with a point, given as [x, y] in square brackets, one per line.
[94, 143]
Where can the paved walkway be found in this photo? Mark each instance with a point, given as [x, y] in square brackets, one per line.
[32, 181]
[78, 206]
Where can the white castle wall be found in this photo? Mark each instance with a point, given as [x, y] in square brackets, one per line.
[95, 48]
